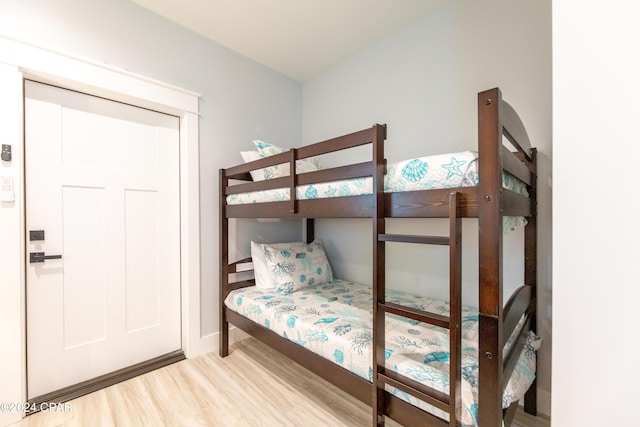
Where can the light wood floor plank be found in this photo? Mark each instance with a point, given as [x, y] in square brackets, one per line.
[254, 386]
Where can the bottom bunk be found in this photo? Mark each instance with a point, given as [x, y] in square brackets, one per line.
[326, 327]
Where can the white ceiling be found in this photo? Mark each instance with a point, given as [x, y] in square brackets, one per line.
[299, 38]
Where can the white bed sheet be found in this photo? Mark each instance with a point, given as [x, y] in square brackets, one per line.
[424, 173]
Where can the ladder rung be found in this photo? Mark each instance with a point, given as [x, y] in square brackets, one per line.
[415, 314]
[410, 238]
[420, 391]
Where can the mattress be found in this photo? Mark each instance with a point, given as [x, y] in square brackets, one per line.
[333, 320]
[423, 173]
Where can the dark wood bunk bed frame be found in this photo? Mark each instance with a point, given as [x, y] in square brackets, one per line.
[488, 202]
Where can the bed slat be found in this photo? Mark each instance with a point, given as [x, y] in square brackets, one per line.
[336, 207]
[513, 129]
[407, 238]
[358, 170]
[233, 267]
[514, 204]
[410, 204]
[232, 286]
[512, 356]
[351, 140]
[516, 307]
[267, 184]
[431, 203]
[426, 394]
[238, 171]
[515, 167]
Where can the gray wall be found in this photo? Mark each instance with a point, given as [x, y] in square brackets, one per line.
[237, 104]
[422, 82]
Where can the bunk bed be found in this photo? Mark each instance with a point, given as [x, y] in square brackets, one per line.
[504, 330]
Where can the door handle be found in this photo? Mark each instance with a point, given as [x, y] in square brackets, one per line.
[41, 257]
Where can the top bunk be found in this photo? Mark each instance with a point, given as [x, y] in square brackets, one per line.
[501, 175]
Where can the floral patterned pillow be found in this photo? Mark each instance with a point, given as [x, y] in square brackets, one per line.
[297, 267]
[250, 156]
[266, 149]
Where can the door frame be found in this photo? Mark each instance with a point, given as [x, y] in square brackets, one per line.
[19, 61]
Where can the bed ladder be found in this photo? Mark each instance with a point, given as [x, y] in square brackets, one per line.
[449, 403]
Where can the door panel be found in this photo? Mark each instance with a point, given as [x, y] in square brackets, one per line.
[141, 260]
[84, 290]
[102, 181]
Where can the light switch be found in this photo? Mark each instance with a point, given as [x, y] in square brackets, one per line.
[7, 191]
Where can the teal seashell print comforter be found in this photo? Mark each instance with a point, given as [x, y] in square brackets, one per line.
[424, 173]
[333, 319]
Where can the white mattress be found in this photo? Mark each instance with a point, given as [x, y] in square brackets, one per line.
[423, 173]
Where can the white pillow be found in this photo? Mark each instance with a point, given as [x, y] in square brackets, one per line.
[264, 279]
[266, 149]
[250, 156]
[297, 267]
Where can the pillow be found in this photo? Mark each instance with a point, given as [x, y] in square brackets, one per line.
[297, 267]
[250, 156]
[266, 149]
[261, 273]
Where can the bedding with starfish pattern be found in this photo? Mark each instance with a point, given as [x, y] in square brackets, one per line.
[333, 319]
[423, 173]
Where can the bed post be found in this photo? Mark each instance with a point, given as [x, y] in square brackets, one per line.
[224, 265]
[531, 274]
[379, 276]
[309, 230]
[491, 342]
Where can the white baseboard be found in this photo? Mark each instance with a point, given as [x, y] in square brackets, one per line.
[211, 343]
[205, 344]
[544, 403]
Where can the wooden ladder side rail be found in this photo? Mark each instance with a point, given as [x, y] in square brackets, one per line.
[531, 271]
[455, 309]
[379, 276]
[224, 264]
[447, 402]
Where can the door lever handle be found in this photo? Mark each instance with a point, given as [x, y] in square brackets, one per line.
[41, 257]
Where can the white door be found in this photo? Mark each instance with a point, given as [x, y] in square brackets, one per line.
[102, 185]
